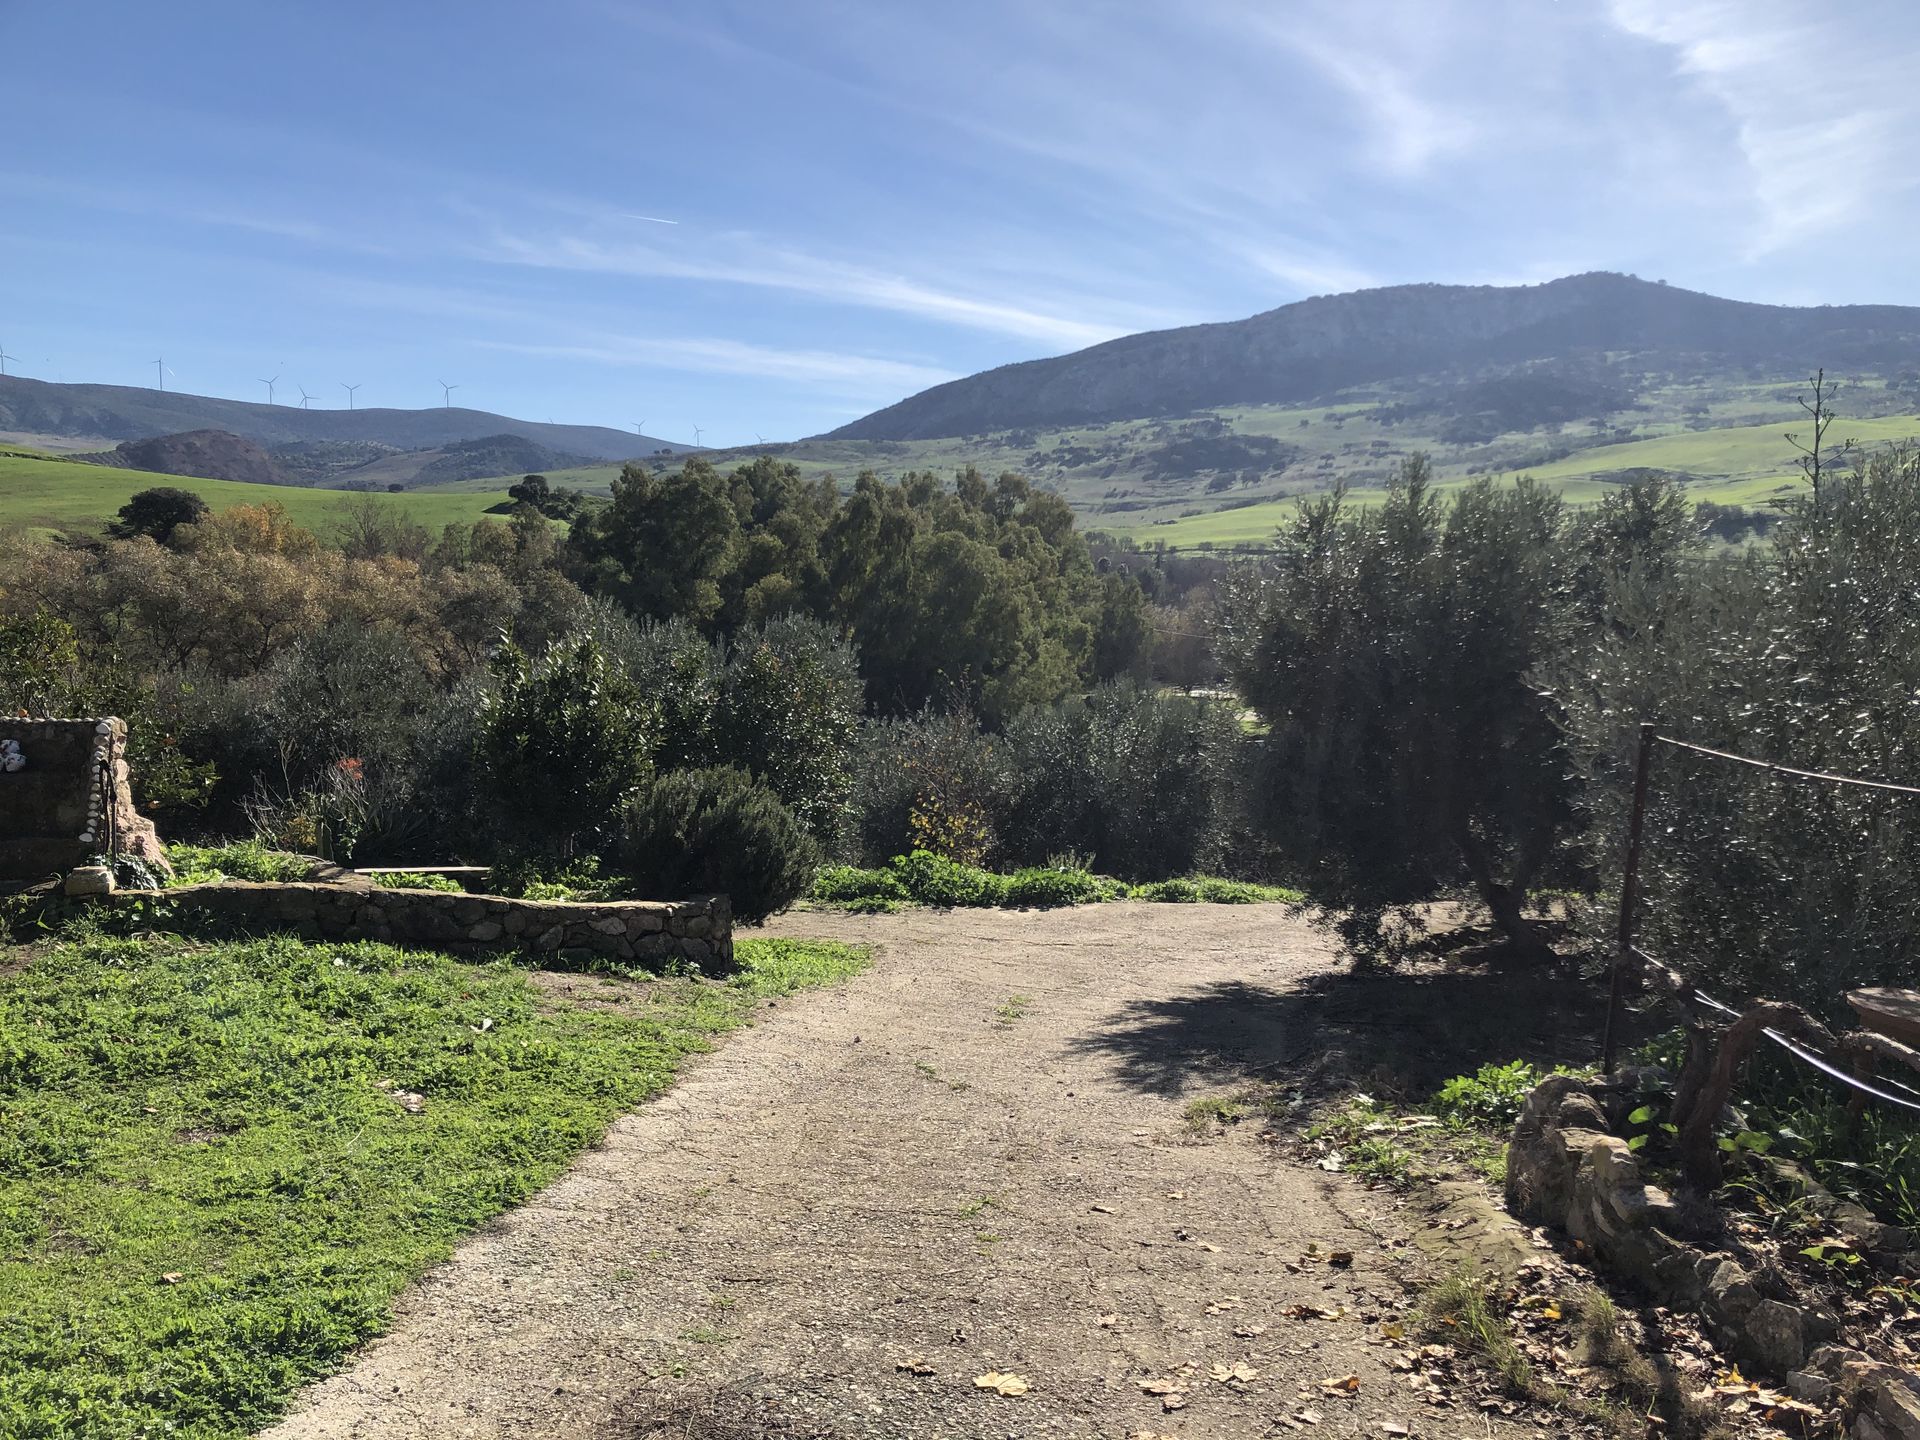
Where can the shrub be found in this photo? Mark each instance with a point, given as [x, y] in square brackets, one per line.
[578, 879]
[1125, 774]
[718, 830]
[1044, 885]
[935, 880]
[562, 742]
[1212, 890]
[844, 884]
[931, 781]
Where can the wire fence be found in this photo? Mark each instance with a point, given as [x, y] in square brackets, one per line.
[1631, 957]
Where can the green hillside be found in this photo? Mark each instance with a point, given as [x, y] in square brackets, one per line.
[43, 492]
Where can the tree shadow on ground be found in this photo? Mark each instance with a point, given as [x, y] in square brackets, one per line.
[1402, 1032]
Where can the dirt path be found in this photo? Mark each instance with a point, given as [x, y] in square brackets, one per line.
[972, 1159]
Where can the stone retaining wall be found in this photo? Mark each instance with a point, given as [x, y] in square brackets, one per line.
[699, 931]
[1568, 1168]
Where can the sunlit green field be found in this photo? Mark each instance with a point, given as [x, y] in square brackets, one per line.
[45, 494]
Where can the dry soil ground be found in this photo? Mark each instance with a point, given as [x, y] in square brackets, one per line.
[972, 1160]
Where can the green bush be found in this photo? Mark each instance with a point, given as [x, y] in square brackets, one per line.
[1492, 1095]
[1043, 885]
[239, 860]
[934, 880]
[1212, 890]
[407, 880]
[844, 884]
[717, 831]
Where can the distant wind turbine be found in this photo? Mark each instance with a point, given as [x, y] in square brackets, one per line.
[448, 395]
[5, 357]
[160, 372]
[697, 433]
[758, 436]
[304, 396]
[270, 384]
[640, 428]
[350, 389]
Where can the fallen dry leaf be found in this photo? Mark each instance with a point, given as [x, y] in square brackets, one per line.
[1247, 1332]
[1224, 1304]
[1308, 1417]
[1002, 1384]
[172, 1277]
[1238, 1373]
[1210, 1249]
[1341, 1384]
[1342, 1258]
[1173, 1402]
[914, 1365]
[1160, 1387]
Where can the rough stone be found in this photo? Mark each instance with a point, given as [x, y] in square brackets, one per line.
[486, 930]
[89, 880]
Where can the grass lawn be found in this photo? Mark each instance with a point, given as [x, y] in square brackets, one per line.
[219, 1164]
[42, 493]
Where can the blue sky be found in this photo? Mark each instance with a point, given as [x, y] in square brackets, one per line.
[869, 196]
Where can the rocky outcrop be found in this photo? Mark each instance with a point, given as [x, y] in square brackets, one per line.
[698, 931]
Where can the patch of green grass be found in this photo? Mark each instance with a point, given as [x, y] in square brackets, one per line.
[1211, 1110]
[236, 860]
[219, 1164]
[1014, 1008]
[41, 492]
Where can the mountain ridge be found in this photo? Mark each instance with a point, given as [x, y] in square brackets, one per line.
[1318, 347]
[123, 412]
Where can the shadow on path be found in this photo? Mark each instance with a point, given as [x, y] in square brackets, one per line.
[1403, 1031]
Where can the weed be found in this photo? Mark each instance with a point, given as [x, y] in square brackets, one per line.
[705, 1335]
[976, 1206]
[1203, 1114]
[1014, 1008]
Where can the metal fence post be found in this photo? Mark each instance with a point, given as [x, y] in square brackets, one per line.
[1629, 893]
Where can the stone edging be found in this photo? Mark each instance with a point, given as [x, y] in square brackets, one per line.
[698, 931]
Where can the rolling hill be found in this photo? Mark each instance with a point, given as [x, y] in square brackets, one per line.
[114, 413]
[1594, 335]
[51, 493]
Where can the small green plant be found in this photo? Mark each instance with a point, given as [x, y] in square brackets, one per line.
[416, 880]
[1014, 1008]
[1492, 1095]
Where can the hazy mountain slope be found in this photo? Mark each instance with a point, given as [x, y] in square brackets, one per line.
[120, 412]
[199, 454]
[1315, 348]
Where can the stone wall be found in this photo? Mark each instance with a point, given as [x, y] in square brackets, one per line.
[55, 813]
[698, 931]
[1568, 1167]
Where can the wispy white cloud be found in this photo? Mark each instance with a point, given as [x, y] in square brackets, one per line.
[1820, 151]
[863, 375]
[739, 259]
